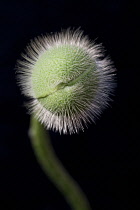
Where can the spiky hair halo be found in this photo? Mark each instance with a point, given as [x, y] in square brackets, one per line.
[67, 80]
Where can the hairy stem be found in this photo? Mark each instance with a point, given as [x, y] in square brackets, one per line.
[53, 168]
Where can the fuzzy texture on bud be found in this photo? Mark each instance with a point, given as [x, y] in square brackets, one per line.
[66, 79]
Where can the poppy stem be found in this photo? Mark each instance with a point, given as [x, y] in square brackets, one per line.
[53, 168]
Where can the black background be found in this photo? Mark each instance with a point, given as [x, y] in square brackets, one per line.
[101, 158]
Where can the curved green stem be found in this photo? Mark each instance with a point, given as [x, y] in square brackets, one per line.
[54, 169]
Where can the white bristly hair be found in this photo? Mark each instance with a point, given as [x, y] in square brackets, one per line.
[72, 119]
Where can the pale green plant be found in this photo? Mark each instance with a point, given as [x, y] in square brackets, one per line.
[68, 83]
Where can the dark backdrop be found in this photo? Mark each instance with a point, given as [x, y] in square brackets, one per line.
[98, 159]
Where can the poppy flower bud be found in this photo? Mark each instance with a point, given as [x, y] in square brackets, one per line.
[66, 79]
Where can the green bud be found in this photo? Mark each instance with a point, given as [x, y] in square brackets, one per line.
[66, 80]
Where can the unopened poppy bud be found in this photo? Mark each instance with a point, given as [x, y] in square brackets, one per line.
[66, 79]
